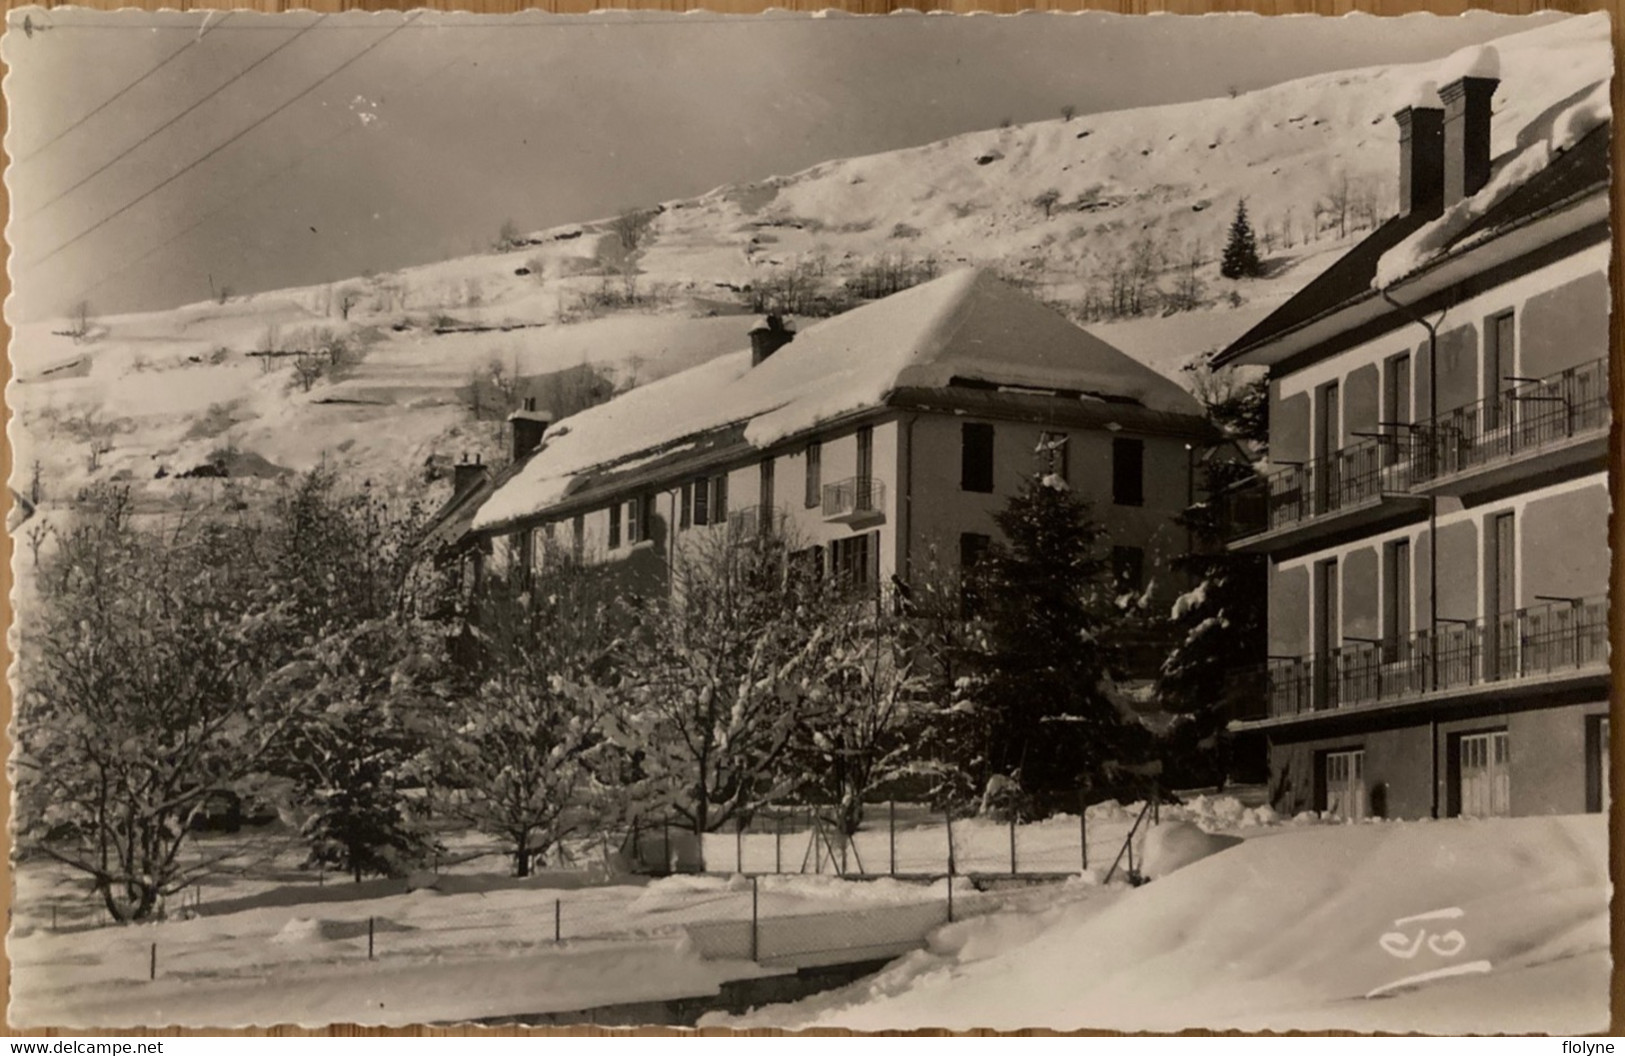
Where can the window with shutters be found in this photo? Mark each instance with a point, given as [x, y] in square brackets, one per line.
[614, 513]
[976, 457]
[852, 559]
[813, 493]
[1128, 472]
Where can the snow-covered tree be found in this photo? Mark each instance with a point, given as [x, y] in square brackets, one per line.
[859, 693]
[705, 710]
[517, 756]
[137, 697]
[367, 694]
[1047, 607]
[1241, 251]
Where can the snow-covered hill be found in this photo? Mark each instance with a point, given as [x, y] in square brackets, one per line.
[152, 396]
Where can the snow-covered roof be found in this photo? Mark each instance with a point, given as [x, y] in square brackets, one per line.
[965, 326]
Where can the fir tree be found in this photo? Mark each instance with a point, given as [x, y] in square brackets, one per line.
[1241, 252]
[1046, 605]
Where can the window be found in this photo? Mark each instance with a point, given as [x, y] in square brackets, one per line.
[719, 499]
[637, 519]
[1598, 795]
[702, 502]
[1051, 455]
[615, 526]
[1128, 567]
[853, 558]
[1501, 596]
[976, 457]
[1396, 629]
[1396, 409]
[765, 492]
[684, 512]
[973, 548]
[866, 452]
[1498, 349]
[1128, 472]
[813, 494]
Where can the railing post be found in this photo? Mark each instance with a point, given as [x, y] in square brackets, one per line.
[778, 844]
[558, 920]
[755, 933]
[152, 967]
[739, 844]
[891, 832]
[369, 938]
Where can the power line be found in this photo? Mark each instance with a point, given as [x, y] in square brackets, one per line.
[216, 150]
[250, 189]
[110, 100]
[149, 137]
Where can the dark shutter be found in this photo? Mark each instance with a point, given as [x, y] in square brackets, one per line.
[684, 513]
[615, 526]
[702, 502]
[976, 457]
[1128, 472]
[815, 473]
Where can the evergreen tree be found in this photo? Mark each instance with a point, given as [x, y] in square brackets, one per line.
[1046, 605]
[1241, 252]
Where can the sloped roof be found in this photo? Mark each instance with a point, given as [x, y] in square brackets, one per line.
[967, 326]
[1579, 171]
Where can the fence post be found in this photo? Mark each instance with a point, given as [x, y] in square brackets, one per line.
[1083, 829]
[558, 920]
[1156, 802]
[891, 829]
[739, 844]
[948, 822]
[950, 887]
[665, 844]
[755, 940]
[778, 844]
[1012, 843]
[369, 938]
[152, 967]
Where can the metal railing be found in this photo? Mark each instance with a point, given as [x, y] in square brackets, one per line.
[1294, 494]
[1521, 420]
[855, 496]
[1537, 641]
[752, 521]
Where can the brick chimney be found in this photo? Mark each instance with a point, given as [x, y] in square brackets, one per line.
[1466, 136]
[528, 426]
[767, 337]
[1421, 160]
[466, 475]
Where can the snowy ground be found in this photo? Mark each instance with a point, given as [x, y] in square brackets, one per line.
[272, 944]
[1317, 929]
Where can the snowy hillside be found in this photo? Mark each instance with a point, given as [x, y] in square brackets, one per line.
[378, 374]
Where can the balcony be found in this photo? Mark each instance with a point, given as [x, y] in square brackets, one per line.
[1555, 642]
[753, 522]
[856, 500]
[1364, 486]
[1533, 428]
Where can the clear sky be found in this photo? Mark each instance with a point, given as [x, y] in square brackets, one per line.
[152, 155]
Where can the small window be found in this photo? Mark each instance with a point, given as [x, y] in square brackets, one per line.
[1050, 456]
[976, 457]
[702, 502]
[1128, 472]
[973, 547]
[1128, 567]
[615, 526]
[815, 475]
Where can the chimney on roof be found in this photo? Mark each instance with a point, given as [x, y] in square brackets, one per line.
[1421, 160]
[767, 337]
[465, 475]
[1467, 132]
[529, 425]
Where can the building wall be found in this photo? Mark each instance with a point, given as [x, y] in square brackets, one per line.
[941, 510]
[1548, 768]
[1561, 320]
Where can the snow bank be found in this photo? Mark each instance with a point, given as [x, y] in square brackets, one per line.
[1177, 844]
[1288, 932]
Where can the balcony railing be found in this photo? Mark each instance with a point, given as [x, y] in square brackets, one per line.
[1530, 417]
[1351, 478]
[751, 522]
[854, 499]
[1365, 480]
[1540, 641]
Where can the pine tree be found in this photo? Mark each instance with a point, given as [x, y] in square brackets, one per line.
[1241, 252]
[1046, 605]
